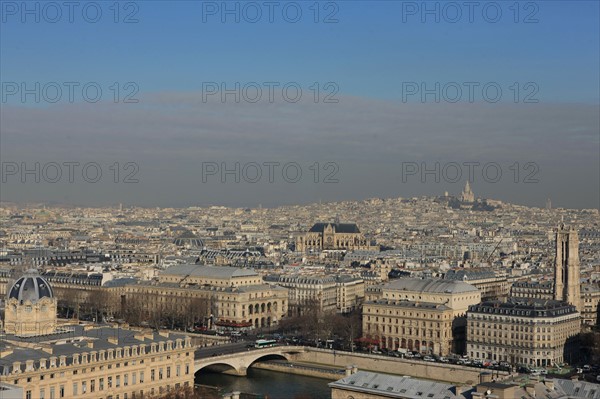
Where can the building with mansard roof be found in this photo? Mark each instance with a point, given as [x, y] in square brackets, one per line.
[532, 332]
[491, 285]
[423, 315]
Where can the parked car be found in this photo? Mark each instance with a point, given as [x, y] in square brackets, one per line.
[429, 359]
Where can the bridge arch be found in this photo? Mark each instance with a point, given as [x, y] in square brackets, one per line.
[270, 356]
[238, 363]
[222, 367]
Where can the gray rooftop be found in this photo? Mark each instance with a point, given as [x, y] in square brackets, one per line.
[121, 282]
[72, 341]
[579, 389]
[534, 284]
[592, 287]
[395, 386]
[469, 274]
[410, 304]
[529, 307]
[311, 280]
[243, 288]
[339, 227]
[208, 271]
[430, 285]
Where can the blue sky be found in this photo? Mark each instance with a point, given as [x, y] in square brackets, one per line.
[369, 52]
[373, 51]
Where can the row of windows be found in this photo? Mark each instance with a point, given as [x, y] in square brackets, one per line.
[93, 369]
[519, 359]
[528, 320]
[112, 382]
[406, 331]
[513, 312]
[556, 329]
[410, 314]
[511, 343]
[405, 322]
[512, 327]
[52, 392]
[482, 333]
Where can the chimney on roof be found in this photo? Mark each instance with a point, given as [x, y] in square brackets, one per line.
[458, 390]
[485, 377]
[16, 368]
[530, 389]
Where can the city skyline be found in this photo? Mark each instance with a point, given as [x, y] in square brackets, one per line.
[409, 284]
[299, 199]
[548, 203]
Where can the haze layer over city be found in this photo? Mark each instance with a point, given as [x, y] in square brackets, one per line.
[300, 200]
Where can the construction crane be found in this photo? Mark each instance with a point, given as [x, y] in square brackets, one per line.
[494, 250]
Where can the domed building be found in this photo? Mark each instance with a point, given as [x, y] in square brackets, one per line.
[30, 307]
[42, 360]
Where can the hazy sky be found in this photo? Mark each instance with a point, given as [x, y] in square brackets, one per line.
[389, 89]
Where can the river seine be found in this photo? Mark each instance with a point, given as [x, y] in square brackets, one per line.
[268, 384]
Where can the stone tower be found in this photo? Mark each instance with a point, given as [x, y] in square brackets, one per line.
[566, 267]
[329, 236]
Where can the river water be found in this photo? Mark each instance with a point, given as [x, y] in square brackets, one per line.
[269, 384]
